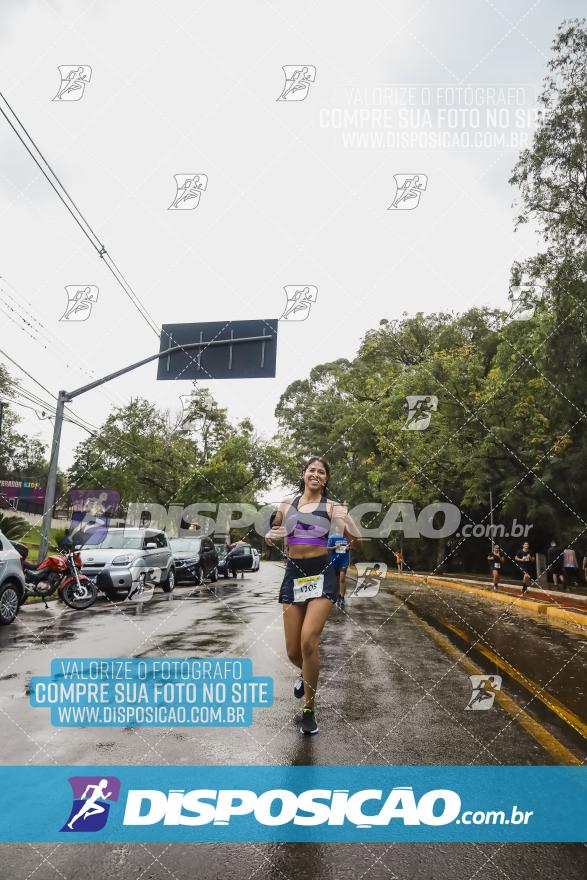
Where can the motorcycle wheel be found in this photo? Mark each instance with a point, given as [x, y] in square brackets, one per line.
[79, 598]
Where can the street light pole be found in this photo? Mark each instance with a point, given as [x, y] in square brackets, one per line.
[52, 476]
[67, 396]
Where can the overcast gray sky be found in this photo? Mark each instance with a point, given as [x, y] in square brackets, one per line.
[294, 196]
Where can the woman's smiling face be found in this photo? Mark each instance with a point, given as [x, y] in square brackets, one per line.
[315, 476]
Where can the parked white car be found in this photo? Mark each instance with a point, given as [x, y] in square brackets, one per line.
[123, 554]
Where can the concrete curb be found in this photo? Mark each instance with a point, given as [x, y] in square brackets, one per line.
[564, 618]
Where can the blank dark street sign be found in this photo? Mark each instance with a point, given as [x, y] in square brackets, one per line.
[222, 355]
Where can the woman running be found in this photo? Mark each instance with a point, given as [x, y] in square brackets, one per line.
[310, 585]
[496, 559]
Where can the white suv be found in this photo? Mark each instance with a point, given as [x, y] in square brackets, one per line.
[123, 554]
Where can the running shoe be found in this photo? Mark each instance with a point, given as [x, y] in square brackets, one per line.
[524, 589]
[309, 724]
[299, 687]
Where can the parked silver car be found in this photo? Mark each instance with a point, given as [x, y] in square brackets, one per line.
[11, 581]
[123, 555]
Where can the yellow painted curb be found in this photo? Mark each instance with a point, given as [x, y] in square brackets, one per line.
[557, 615]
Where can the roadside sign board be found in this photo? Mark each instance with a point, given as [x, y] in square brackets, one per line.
[221, 355]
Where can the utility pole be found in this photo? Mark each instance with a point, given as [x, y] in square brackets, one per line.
[67, 396]
[3, 404]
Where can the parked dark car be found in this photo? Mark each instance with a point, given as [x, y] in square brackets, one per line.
[238, 559]
[195, 559]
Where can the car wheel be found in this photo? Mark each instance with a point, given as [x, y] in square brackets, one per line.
[214, 574]
[8, 603]
[168, 584]
[225, 573]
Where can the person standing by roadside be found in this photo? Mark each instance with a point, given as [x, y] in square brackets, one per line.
[554, 564]
[496, 559]
[310, 584]
[571, 567]
[526, 561]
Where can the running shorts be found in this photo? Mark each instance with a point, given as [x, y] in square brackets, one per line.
[300, 568]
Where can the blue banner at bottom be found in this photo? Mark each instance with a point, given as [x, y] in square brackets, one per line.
[303, 803]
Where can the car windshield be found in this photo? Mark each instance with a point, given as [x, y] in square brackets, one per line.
[188, 545]
[118, 541]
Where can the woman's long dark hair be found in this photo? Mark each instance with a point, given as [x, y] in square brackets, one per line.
[311, 460]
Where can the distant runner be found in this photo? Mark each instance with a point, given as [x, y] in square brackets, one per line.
[525, 560]
[496, 559]
[310, 586]
[340, 561]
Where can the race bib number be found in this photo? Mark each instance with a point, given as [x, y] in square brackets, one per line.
[497, 565]
[308, 587]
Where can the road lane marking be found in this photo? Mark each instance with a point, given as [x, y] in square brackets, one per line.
[545, 739]
[563, 712]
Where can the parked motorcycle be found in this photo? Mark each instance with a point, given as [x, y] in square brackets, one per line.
[61, 573]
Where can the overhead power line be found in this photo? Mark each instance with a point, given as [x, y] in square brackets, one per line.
[49, 174]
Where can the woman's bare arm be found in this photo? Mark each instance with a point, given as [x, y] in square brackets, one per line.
[278, 532]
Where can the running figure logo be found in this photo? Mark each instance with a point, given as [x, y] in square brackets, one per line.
[297, 82]
[522, 307]
[420, 409]
[299, 302]
[409, 191]
[186, 420]
[143, 588]
[189, 188]
[484, 689]
[90, 808]
[80, 300]
[92, 510]
[74, 79]
[369, 575]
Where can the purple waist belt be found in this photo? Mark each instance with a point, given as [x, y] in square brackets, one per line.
[319, 542]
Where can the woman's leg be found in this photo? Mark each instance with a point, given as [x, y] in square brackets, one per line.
[342, 582]
[317, 610]
[293, 618]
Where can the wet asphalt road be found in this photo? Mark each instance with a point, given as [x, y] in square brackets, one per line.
[392, 692]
